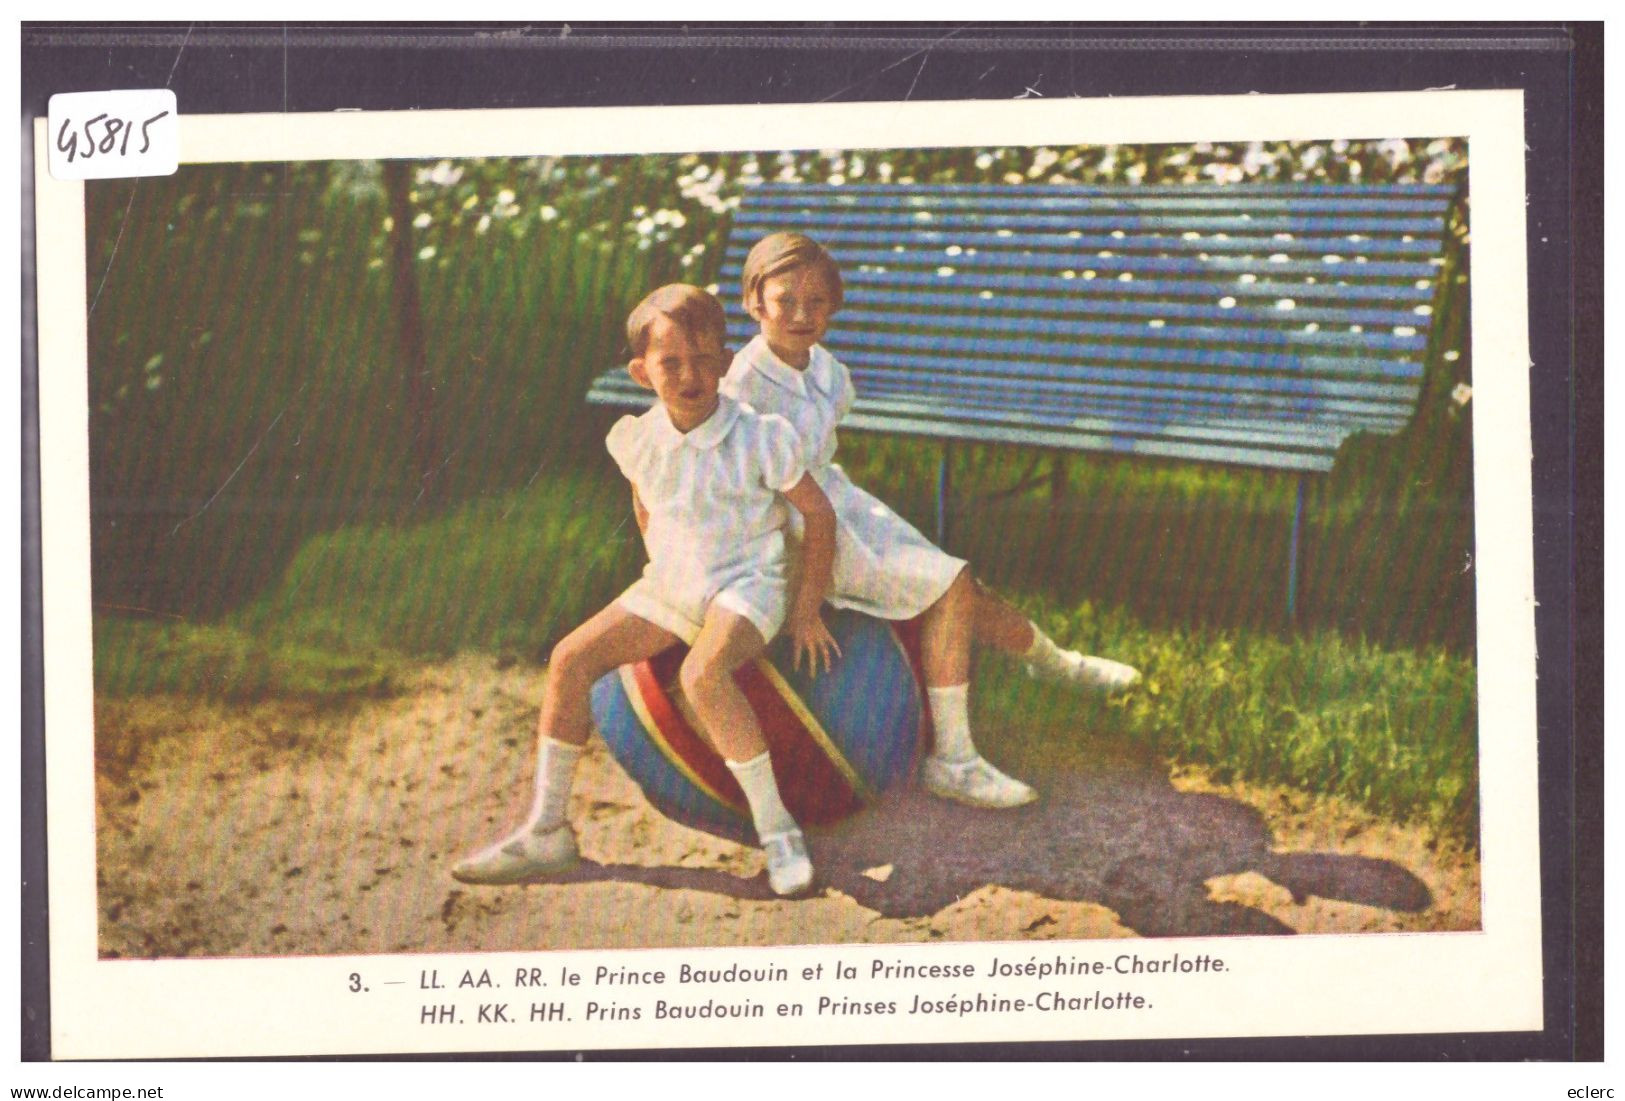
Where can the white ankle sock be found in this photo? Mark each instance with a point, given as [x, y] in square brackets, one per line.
[950, 716]
[767, 810]
[555, 774]
[1047, 656]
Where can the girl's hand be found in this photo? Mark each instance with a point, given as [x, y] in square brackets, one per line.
[810, 637]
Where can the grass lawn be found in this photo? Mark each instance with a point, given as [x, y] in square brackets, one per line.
[1389, 725]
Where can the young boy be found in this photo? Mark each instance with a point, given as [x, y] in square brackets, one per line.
[709, 481]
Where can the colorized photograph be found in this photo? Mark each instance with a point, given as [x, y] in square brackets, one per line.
[793, 547]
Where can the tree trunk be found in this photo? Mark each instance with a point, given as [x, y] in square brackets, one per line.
[422, 426]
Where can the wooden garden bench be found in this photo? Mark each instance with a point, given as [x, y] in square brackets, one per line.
[1256, 325]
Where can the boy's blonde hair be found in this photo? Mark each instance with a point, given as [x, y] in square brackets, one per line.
[778, 253]
[697, 311]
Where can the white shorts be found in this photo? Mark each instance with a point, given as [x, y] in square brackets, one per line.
[760, 598]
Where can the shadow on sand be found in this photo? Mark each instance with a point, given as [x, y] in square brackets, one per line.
[1121, 838]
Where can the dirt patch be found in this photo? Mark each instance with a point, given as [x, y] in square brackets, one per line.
[283, 829]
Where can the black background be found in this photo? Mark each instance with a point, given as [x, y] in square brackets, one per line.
[220, 68]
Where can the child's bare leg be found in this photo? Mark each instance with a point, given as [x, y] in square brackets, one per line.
[545, 845]
[946, 631]
[955, 770]
[1001, 626]
[726, 642]
[612, 638]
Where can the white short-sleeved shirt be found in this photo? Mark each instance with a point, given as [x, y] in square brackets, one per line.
[716, 517]
[883, 565]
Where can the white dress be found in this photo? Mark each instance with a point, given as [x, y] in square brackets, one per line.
[716, 516]
[883, 565]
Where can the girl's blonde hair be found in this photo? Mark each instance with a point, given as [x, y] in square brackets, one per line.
[778, 253]
[698, 313]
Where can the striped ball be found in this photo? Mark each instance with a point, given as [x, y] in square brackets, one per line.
[837, 740]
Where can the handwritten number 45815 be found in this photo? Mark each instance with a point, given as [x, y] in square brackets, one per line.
[115, 132]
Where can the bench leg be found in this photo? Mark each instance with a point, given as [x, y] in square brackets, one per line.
[944, 487]
[1293, 556]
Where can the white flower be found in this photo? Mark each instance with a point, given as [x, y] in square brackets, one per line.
[423, 221]
[426, 252]
[984, 161]
[443, 174]
[505, 197]
[1462, 394]
[483, 224]
[1397, 150]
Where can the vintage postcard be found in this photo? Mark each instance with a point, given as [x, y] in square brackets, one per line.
[1224, 400]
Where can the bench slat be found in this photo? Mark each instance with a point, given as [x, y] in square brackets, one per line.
[1194, 264]
[1309, 191]
[1102, 400]
[1027, 348]
[1171, 377]
[1067, 200]
[1239, 317]
[1127, 392]
[1309, 246]
[814, 222]
[1144, 288]
[1086, 398]
[1140, 331]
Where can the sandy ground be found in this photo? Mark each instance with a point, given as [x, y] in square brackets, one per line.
[284, 829]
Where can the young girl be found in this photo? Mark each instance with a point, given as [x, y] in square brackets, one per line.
[883, 565]
[709, 481]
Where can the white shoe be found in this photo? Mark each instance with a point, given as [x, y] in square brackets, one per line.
[520, 858]
[974, 783]
[789, 871]
[1086, 671]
